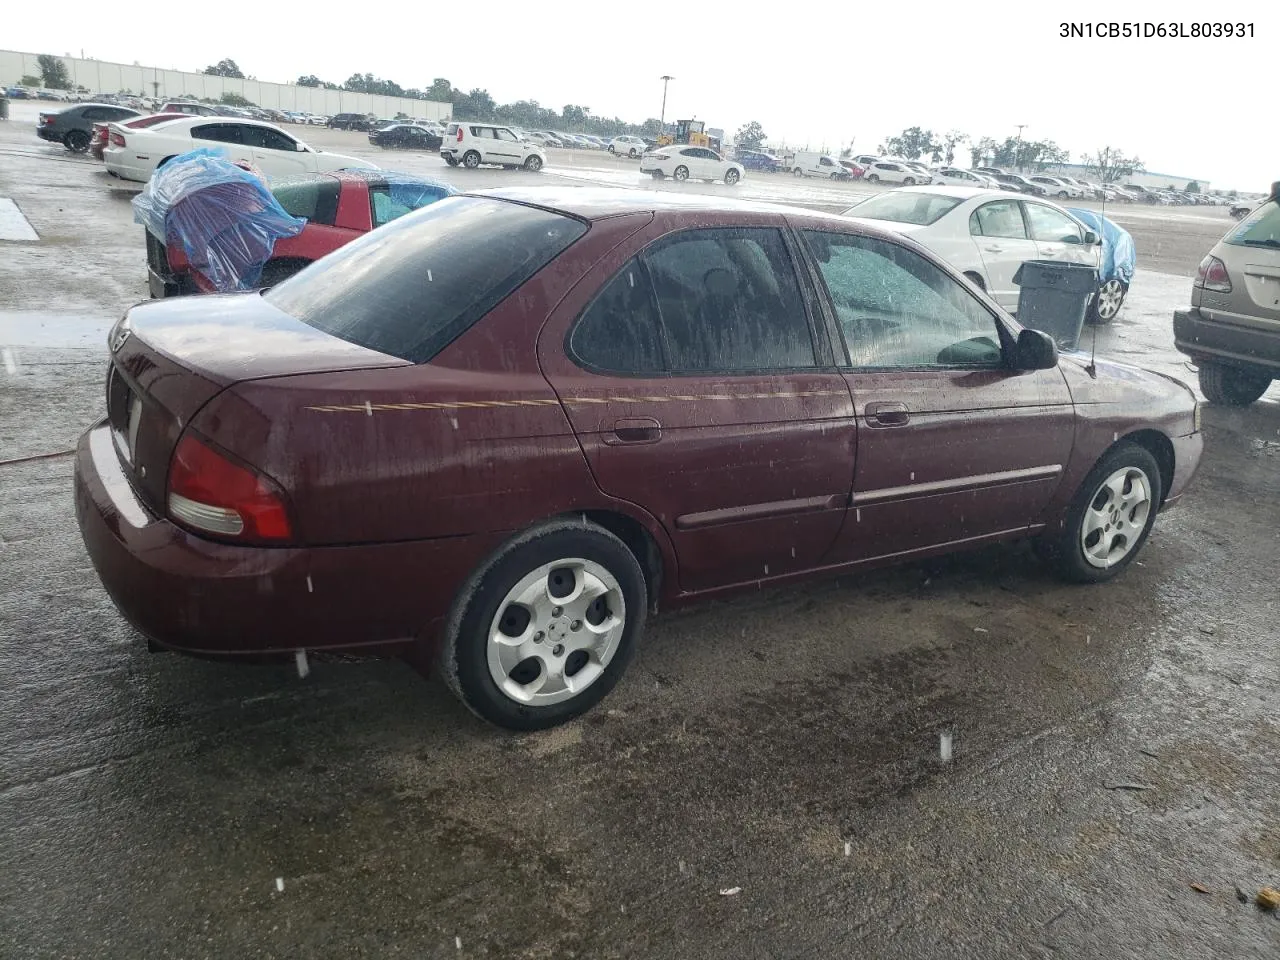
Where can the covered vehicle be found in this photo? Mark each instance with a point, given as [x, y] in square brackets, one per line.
[1116, 263]
[222, 216]
[334, 209]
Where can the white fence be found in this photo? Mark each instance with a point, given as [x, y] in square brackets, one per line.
[100, 76]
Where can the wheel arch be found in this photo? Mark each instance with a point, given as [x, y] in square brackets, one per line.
[1160, 447]
[639, 539]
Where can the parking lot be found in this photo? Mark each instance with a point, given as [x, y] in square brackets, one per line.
[765, 782]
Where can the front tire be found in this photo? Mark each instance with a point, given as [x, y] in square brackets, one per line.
[471, 160]
[547, 627]
[873, 178]
[77, 141]
[797, 171]
[731, 177]
[533, 163]
[1231, 386]
[908, 181]
[1109, 519]
[1107, 301]
[680, 174]
[277, 271]
[632, 153]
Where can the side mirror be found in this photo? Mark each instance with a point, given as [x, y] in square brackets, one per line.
[1091, 239]
[1035, 351]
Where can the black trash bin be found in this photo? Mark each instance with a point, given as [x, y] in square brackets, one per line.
[4, 107]
[1054, 298]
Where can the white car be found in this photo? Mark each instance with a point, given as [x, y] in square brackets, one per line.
[135, 154]
[956, 177]
[543, 140]
[890, 171]
[1059, 187]
[472, 144]
[822, 165]
[984, 234]
[627, 146]
[690, 163]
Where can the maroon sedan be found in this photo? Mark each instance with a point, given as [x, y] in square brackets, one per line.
[498, 431]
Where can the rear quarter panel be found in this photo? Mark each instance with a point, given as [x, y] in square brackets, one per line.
[473, 442]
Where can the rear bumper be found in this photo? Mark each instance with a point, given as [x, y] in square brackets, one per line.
[1203, 339]
[205, 598]
[44, 133]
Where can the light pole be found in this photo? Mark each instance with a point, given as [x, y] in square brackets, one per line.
[1017, 154]
[662, 117]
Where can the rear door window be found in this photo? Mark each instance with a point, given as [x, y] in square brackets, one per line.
[220, 132]
[1001, 218]
[618, 332]
[729, 302]
[315, 200]
[267, 139]
[409, 289]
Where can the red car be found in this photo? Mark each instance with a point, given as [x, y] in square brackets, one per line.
[855, 171]
[497, 433]
[98, 140]
[338, 208]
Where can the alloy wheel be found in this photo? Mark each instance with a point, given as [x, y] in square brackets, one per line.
[556, 631]
[1115, 518]
[1110, 299]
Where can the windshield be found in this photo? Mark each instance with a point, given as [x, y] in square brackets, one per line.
[1259, 229]
[904, 207]
[409, 288]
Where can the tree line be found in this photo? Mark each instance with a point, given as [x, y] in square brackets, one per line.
[1108, 163]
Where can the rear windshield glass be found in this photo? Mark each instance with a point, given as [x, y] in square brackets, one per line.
[1259, 229]
[314, 199]
[409, 288]
[921, 208]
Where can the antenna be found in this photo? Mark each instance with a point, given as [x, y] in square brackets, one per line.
[1093, 346]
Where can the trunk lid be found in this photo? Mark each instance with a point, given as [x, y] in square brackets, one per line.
[171, 357]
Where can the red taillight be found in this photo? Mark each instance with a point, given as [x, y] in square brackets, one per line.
[117, 139]
[459, 134]
[1212, 275]
[210, 493]
[46, 119]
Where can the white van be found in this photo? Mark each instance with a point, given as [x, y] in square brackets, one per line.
[472, 144]
[807, 164]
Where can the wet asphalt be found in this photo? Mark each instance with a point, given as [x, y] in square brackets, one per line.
[765, 783]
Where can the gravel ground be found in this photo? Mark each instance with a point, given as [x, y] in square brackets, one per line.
[784, 744]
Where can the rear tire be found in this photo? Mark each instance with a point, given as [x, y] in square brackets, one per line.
[77, 141]
[482, 665]
[1109, 519]
[632, 153]
[1231, 386]
[471, 160]
[451, 161]
[797, 171]
[658, 175]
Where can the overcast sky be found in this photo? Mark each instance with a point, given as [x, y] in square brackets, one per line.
[821, 74]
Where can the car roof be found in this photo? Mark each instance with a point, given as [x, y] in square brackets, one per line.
[962, 193]
[597, 203]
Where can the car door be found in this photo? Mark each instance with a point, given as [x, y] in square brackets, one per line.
[224, 136]
[505, 147]
[1058, 236]
[703, 392]
[954, 445]
[276, 153]
[998, 230]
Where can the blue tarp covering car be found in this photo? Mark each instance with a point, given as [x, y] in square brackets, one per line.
[1119, 256]
[224, 216]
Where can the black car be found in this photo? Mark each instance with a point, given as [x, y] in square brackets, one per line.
[350, 121]
[73, 127]
[406, 136]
